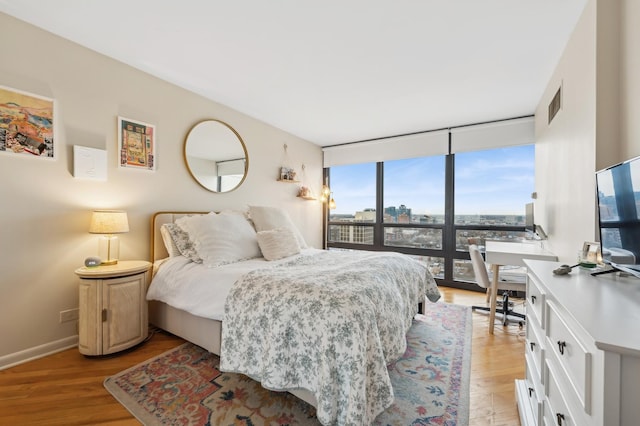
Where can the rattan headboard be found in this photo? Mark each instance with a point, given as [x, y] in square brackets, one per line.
[158, 250]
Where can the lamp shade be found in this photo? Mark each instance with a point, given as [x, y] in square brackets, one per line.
[109, 222]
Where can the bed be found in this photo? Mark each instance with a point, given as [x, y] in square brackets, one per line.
[305, 306]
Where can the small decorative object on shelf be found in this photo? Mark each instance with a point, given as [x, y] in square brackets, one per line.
[287, 174]
[306, 193]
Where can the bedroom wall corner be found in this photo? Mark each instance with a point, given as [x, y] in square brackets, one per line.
[45, 210]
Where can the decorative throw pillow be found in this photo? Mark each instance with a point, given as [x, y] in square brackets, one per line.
[167, 239]
[181, 242]
[278, 243]
[222, 238]
[267, 218]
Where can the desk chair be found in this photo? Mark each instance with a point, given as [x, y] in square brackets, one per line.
[482, 278]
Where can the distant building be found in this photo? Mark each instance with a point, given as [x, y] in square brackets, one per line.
[367, 215]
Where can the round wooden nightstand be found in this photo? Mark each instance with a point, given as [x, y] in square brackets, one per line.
[112, 306]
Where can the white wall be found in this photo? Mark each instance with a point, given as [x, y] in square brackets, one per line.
[45, 211]
[597, 126]
[629, 79]
[565, 149]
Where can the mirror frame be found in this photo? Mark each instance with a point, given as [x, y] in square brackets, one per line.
[239, 139]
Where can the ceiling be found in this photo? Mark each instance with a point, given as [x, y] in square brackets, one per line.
[332, 71]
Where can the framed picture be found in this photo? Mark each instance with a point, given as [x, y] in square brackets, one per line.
[26, 124]
[136, 144]
[591, 252]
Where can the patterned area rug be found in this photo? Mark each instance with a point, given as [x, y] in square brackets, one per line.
[184, 387]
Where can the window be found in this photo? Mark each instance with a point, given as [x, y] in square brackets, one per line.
[488, 190]
[355, 185]
[414, 190]
[493, 186]
[491, 189]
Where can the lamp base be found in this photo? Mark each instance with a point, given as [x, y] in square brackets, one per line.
[109, 249]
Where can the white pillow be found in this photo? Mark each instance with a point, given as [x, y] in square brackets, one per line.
[221, 238]
[268, 218]
[244, 214]
[189, 224]
[278, 243]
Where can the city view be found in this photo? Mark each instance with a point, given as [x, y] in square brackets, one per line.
[357, 229]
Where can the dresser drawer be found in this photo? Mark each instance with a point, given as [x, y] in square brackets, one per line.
[535, 349]
[555, 408]
[573, 356]
[534, 392]
[536, 297]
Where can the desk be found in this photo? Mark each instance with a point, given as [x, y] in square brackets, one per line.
[499, 253]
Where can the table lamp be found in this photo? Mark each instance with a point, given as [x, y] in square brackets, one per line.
[108, 223]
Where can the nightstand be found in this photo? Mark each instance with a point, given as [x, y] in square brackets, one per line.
[112, 306]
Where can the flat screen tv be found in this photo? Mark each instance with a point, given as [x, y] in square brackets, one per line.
[619, 215]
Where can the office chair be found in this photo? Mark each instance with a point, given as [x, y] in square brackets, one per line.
[482, 278]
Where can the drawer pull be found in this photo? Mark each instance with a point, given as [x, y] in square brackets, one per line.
[531, 390]
[561, 345]
[532, 345]
[533, 300]
[559, 418]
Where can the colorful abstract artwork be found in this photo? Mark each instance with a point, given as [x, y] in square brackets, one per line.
[26, 124]
[136, 144]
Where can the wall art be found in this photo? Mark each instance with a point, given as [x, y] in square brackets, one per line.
[26, 124]
[136, 144]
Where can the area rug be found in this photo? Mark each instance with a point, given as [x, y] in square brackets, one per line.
[184, 387]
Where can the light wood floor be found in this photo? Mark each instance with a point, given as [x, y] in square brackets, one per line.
[66, 388]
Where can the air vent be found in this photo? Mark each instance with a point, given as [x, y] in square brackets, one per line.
[555, 104]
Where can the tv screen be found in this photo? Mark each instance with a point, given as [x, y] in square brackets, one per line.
[619, 215]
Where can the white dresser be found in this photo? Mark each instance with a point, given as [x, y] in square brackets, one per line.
[583, 349]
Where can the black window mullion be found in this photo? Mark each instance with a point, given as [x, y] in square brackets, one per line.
[378, 230]
[448, 232]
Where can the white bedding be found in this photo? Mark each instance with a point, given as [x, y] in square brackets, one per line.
[199, 290]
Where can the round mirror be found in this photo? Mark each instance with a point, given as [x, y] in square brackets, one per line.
[216, 156]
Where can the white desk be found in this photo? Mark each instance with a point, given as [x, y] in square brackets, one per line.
[499, 253]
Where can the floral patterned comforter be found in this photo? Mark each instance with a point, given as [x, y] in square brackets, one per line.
[328, 323]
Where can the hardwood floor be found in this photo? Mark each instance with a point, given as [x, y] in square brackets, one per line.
[66, 388]
[496, 361]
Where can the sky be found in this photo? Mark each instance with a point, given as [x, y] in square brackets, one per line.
[497, 181]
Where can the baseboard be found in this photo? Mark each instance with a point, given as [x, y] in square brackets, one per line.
[11, 360]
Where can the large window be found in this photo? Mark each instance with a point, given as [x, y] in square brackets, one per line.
[433, 207]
